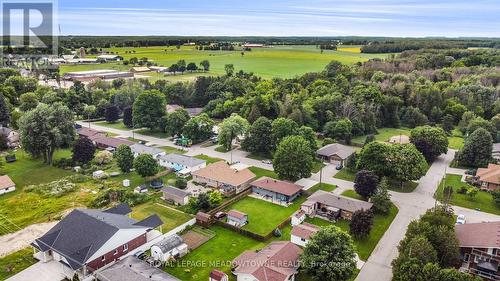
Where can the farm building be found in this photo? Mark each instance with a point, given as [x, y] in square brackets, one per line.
[6, 184]
[182, 163]
[237, 218]
[90, 75]
[175, 195]
[140, 69]
[302, 233]
[332, 207]
[172, 247]
[138, 149]
[335, 153]
[109, 58]
[489, 178]
[87, 240]
[133, 269]
[278, 261]
[276, 191]
[222, 176]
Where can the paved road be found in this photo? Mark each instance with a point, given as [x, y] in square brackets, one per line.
[411, 205]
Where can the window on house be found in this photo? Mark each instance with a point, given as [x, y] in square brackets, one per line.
[103, 258]
[125, 247]
[116, 252]
[466, 257]
[303, 240]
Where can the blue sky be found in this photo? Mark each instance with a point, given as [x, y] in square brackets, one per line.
[416, 18]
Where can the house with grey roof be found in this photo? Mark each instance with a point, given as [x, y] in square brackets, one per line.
[172, 247]
[181, 163]
[134, 269]
[175, 195]
[138, 149]
[335, 153]
[332, 207]
[86, 240]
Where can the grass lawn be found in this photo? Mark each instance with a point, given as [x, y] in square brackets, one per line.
[218, 253]
[259, 156]
[317, 165]
[264, 216]
[209, 159]
[114, 125]
[153, 133]
[278, 61]
[16, 262]
[345, 174]
[259, 172]
[352, 194]
[322, 186]
[171, 218]
[170, 149]
[364, 247]
[482, 201]
[383, 135]
[456, 140]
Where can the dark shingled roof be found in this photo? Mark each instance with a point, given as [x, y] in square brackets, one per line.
[152, 221]
[121, 209]
[84, 231]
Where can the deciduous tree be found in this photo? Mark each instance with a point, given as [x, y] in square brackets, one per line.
[430, 141]
[293, 158]
[125, 158]
[83, 150]
[148, 109]
[365, 183]
[145, 165]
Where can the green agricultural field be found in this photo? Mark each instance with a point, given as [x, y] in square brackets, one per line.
[264, 216]
[277, 61]
[171, 218]
[483, 200]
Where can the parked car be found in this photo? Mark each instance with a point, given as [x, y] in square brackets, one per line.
[267, 161]
[339, 167]
[460, 219]
[220, 215]
[141, 142]
[140, 255]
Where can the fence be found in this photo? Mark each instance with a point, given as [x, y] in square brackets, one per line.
[231, 201]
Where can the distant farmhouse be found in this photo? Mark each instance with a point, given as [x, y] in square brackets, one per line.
[91, 75]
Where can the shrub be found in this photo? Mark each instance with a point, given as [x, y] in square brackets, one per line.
[62, 163]
[103, 157]
[181, 183]
[54, 189]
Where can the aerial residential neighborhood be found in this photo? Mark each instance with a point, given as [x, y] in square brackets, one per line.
[258, 141]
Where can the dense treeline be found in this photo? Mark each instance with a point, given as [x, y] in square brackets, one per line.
[405, 45]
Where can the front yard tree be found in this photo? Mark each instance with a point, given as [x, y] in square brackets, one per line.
[230, 128]
[175, 121]
[381, 200]
[146, 165]
[83, 150]
[283, 127]
[112, 113]
[258, 138]
[413, 256]
[430, 141]
[45, 129]
[199, 128]
[407, 163]
[361, 224]
[127, 117]
[477, 149]
[374, 157]
[329, 255]
[125, 158]
[293, 159]
[365, 183]
[148, 109]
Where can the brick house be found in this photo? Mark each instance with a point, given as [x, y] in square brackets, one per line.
[86, 240]
[480, 249]
[489, 178]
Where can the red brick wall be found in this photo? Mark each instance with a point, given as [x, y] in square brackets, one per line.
[110, 257]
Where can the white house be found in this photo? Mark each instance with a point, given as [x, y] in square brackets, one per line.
[6, 184]
[302, 233]
[298, 217]
[172, 247]
[138, 149]
[181, 163]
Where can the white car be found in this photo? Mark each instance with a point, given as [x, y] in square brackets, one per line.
[460, 219]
